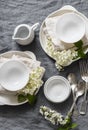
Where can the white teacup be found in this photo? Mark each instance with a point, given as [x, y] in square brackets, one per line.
[24, 34]
[70, 28]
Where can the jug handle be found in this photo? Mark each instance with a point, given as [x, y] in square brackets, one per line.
[35, 26]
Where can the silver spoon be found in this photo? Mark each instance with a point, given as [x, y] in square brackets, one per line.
[73, 82]
[72, 78]
[79, 91]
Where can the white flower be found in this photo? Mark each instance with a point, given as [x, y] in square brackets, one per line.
[62, 58]
[52, 121]
[41, 111]
[46, 113]
[34, 81]
[53, 116]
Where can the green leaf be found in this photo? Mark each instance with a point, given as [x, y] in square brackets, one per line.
[79, 46]
[68, 126]
[61, 128]
[81, 53]
[21, 98]
[64, 128]
[31, 98]
[74, 125]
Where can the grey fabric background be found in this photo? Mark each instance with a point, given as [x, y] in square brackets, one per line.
[13, 13]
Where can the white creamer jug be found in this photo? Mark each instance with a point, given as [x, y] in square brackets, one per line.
[24, 34]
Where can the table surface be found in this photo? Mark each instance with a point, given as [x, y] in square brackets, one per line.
[13, 13]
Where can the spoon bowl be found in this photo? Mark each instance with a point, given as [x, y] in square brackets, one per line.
[73, 82]
[79, 91]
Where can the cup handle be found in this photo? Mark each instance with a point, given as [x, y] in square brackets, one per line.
[35, 26]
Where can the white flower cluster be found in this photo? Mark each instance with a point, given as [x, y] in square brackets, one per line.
[62, 58]
[34, 82]
[53, 116]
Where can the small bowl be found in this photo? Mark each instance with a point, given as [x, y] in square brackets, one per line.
[70, 28]
[57, 89]
[14, 75]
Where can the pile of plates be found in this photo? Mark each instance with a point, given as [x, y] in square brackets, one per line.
[15, 69]
[65, 19]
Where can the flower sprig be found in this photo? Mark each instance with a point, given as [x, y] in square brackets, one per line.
[30, 90]
[67, 56]
[65, 123]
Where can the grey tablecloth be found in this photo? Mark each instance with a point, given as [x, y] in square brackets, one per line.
[12, 13]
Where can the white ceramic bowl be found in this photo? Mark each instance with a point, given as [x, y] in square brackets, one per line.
[14, 75]
[70, 28]
[57, 89]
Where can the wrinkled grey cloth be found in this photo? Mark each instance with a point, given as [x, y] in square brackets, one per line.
[13, 13]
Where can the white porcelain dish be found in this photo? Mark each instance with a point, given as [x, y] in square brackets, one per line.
[70, 28]
[14, 75]
[63, 10]
[24, 34]
[7, 99]
[27, 54]
[57, 89]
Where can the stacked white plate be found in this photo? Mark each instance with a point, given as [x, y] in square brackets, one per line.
[8, 98]
[58, 13]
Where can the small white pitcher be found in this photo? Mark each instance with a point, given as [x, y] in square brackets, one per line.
[24, 34]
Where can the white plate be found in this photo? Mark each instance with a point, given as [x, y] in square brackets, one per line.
[63, 10]
[9, 99]
[70, 28]
[14, 75]
[57, 89]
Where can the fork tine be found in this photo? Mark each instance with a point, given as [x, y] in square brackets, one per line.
[87, 65]
[83, 65]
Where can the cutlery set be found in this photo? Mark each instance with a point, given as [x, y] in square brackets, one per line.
[79, 88]
[11, 61]
[84, 75]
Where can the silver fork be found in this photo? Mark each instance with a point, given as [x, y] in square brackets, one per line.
[83, 65]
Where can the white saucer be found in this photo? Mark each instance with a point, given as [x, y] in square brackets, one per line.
[57, 89]
[70, 28]
[10, 99]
